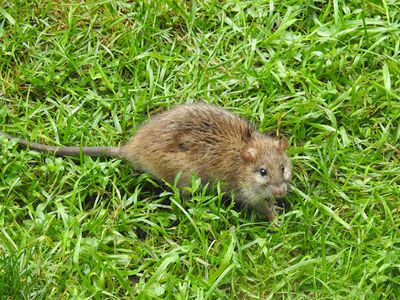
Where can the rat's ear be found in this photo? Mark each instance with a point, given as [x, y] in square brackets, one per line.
[248, 154]
[283, 144]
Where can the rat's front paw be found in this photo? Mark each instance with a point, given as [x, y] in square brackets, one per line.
[271, 213]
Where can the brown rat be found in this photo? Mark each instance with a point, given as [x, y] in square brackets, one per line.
[207, 141]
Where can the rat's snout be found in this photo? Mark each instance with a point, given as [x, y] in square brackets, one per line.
[279, 191]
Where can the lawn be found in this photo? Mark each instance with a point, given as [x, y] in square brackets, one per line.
[324, 73]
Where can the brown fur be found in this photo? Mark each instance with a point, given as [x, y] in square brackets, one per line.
[206, 141]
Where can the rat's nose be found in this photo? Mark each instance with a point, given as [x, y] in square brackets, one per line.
[279, 191]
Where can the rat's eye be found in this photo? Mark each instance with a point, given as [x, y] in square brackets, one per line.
[263, 172]
[283, 169]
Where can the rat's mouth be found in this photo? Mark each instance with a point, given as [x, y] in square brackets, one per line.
[278, 191]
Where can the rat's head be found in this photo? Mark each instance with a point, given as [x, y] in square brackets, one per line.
[268, 170]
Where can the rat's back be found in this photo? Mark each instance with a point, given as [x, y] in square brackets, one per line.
[195, 139]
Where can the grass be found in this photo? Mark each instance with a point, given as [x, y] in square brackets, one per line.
[326, 73]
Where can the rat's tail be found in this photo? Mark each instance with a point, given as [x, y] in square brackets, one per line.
[66, 151]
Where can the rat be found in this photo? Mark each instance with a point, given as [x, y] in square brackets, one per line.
[209, 142]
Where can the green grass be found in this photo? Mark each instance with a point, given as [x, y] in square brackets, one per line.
[326, 73]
